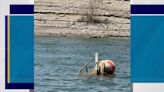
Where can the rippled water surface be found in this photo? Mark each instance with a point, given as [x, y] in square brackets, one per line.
[58, 61]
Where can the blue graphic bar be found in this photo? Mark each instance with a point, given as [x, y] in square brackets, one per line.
[6, 46]
[21, 9]
[19, 67]
[147, 49]
[147, 9]
[20, 86]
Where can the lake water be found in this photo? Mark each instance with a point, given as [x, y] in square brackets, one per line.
[59, 59]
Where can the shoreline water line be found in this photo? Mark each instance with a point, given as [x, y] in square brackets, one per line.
[82, 36]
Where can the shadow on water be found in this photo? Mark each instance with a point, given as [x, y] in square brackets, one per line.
[89, 75]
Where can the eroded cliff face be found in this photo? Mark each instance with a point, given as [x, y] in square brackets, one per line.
[68, 18]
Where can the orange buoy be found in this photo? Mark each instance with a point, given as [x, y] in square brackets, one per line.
[107, 66]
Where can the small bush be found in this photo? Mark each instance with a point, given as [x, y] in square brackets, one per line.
[91, 11]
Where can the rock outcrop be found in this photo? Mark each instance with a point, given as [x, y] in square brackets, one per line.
[68, 18]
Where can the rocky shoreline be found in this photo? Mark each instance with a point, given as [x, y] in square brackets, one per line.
[66, 18]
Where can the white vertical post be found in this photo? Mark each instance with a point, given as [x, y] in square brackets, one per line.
[96, 60]
[96, 57]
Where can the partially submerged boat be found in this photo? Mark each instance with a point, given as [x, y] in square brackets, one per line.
[102, 67]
